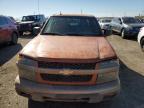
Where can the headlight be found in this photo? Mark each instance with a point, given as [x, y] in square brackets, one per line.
[108, 71]
[26, 61]
[109, 64]
[27, 68]
[34, 24]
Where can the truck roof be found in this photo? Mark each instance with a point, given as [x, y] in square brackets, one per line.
[81, 15]
[35, 15]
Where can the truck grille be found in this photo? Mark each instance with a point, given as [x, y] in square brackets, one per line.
[136, 28]
[24, 27]
[55, 65]
[66, 78]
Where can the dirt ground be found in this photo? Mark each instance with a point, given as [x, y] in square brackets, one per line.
[131, 76]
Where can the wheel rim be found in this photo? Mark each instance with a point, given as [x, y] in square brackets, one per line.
[143, 45]
[14, 38]
[123, 34]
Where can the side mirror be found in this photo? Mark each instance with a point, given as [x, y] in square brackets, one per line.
[36, 30]
[107, 32]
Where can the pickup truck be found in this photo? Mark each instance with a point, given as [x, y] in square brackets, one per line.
[28, 23]
[70, 60]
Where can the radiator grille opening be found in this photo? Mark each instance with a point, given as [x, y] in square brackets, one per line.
[55, 65]
[66, 78]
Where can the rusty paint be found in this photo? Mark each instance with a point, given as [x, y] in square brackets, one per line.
[69, 48]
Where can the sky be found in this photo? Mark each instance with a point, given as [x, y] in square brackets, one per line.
[99, 8]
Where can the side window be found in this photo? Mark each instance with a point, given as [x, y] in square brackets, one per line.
[24, 18]
[114, 20]
[3, 21]
[120, 21]
[41, 18]
[117, 20]
[38, 17]
[6, 20]
[100, 21]
[10, 21]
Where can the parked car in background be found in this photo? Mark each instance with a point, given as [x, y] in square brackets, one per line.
[105, 23]
[8, 31]
[141, 38]
[70, 60]
[142, 20]
[29, 22]
[126, 26]
[12, 18]
[139, 20]
[15, 22]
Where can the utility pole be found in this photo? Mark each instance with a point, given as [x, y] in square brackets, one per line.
[143, 13]
[38, 7]
[81, 11]
[60, 13]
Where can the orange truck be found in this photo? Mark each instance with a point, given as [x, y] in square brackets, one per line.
[70, 60]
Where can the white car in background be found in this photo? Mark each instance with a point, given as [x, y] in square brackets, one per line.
[105, 23]
[141, 38]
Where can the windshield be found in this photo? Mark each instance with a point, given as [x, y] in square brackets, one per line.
[106, 21]
[130, 20]
[72, 25]
[30, 18]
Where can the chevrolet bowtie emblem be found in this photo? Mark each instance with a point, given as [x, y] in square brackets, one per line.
[66, 72]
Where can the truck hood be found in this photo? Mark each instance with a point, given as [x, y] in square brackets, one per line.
[105, 23]
[136, 25]
[68, 47]
[26, 22]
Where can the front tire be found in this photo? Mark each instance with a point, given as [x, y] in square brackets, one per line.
[33, 33]
[142, 44]
[21, 33]
[14, 39]
[123, 35]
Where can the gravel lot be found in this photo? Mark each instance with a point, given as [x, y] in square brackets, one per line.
[131, 75]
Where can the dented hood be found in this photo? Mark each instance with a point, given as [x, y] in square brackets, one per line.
[68, 47]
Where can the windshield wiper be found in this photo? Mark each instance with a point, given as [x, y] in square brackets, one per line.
[53, 34]
[75, 34]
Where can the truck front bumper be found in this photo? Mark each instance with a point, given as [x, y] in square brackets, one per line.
[44, 92]
[131, 33]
